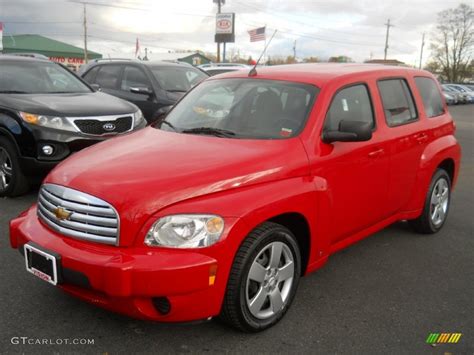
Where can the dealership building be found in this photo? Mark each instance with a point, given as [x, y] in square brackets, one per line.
[60, 52]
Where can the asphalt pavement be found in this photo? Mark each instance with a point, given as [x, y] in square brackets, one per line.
[385, 294]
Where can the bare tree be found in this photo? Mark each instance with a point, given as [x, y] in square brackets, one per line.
[452, 44]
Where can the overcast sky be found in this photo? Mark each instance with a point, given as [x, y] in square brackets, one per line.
[321, 28]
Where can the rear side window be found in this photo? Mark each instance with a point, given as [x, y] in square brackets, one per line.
[108, 76]
[349, 104]
[90, 76]
[430, 95]
[397, 100]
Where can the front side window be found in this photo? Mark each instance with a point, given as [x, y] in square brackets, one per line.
[397, 101]
[134, 78]
[430, 95]
[248, 108]
[38, 78]
[108, 76]
[90, 75]
[177, 78]
[350, 104]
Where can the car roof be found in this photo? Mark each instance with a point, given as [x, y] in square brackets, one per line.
[20, 58]
[142, 62]
[320, 73]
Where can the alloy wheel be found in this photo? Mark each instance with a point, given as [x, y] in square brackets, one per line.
[269, 280]
[439, 202]
[6, 169]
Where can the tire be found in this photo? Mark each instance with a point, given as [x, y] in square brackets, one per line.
[436, 208]
[273, 293]
[12, 180]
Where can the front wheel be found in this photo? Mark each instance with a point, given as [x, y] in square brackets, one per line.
[12, 180]
[436, 206]
[263, 279]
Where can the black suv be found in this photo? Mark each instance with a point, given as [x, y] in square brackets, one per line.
[153, 86]
[47, 113]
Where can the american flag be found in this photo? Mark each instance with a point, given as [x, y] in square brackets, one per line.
[257, 34]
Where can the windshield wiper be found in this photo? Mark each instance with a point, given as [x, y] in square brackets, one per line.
[176, 90]
[169, 124]
[218, 132]
[13, 92]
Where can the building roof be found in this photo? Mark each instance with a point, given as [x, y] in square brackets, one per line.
[385, 62]
[43, 45]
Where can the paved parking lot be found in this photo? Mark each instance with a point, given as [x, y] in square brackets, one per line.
[383, 295]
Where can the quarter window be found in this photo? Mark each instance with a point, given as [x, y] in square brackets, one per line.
[430, 95]
[397, 102]
[108, 76]
[350, 104]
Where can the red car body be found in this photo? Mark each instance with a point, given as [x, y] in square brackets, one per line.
[330, 195]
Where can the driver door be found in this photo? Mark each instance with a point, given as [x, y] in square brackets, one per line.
[356, 173]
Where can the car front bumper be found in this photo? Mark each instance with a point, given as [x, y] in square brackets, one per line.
[135, 280]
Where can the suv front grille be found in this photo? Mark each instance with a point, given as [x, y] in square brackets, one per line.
[100, 127]
[79, 215]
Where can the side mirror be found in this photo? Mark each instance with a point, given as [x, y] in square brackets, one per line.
[349, 131]
[162, 112]
[95, 87]
[141, 91]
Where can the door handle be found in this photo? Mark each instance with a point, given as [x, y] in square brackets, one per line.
[421, 138]
[376, 153]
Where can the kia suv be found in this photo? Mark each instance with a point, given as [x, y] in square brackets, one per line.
[46, 114]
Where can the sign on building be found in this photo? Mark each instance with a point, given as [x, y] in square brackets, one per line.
[1, 36]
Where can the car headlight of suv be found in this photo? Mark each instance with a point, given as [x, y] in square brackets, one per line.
[138, 118]
[54, 122]
[185, 231]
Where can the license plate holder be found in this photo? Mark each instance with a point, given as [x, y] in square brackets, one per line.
[42, 263]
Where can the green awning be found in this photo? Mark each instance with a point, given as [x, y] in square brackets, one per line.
[43, 45]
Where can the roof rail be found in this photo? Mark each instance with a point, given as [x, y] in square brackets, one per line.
[109, 59]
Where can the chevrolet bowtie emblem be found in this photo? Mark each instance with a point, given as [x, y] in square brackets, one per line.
[61, 213]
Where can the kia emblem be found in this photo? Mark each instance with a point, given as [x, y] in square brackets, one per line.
[109, 126]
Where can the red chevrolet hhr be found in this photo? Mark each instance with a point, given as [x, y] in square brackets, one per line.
[251, 181]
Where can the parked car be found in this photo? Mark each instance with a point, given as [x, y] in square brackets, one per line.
[458, 95]
[450, 99]
[468, 93]
[46, 114]
[153, 86]
[249, 183]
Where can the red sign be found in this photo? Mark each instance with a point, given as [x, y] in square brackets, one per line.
[63, 60]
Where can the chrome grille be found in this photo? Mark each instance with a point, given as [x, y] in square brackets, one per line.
[79, 215]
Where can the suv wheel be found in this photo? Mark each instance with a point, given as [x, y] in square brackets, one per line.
[436, 206]
[263, 279]
[12, 180]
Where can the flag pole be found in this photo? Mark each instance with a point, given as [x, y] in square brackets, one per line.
[265, 46]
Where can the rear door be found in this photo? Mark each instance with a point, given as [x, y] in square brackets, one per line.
[407, 138]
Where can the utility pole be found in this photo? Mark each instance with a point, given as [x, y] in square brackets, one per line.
[86, 59]
[294, 50]
[421, 52]
[218, 44]
[386, 39]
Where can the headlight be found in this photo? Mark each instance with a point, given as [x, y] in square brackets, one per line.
[138, 118]
[185, 231]
[47, 121]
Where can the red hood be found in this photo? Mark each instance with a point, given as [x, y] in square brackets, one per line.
[143, 172]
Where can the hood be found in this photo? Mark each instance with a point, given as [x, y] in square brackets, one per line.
[143, 172]
[70, 105]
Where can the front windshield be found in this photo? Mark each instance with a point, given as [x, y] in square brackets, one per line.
[31, 77]
[177, 79]
[245, 108]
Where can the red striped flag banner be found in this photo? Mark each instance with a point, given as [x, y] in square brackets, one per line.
[257, 34]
